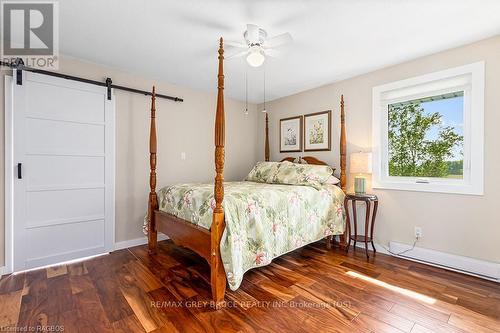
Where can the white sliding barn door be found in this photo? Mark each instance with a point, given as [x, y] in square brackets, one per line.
[63, 133]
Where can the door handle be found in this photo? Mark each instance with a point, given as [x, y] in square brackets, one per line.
[19, 171]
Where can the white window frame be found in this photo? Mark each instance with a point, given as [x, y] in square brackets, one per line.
[470, 80]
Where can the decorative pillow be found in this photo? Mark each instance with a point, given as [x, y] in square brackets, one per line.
[332, 180]
[263, 172]
[302, 174]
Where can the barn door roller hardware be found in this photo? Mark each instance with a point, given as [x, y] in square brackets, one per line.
[18, 65]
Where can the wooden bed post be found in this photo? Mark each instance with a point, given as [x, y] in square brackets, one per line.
[266, 149]
[153, 199]
[343, 154]
[343, 149]
[218, 275]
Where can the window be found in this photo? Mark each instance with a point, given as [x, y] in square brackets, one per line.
[425, 137]
[428, 132]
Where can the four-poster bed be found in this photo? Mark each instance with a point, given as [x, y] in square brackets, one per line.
[205, 239]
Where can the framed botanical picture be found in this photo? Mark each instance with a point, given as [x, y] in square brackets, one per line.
[291, 134]
[317, 131]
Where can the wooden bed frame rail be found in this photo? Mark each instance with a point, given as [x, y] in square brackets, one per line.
[183, 233]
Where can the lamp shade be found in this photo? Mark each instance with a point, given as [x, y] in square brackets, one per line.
[361, 163]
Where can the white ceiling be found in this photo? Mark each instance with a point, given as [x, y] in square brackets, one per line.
[176, 41]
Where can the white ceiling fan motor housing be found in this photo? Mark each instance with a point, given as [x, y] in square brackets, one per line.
[258, 38]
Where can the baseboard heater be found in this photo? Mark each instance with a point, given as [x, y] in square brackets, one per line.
[480, 268]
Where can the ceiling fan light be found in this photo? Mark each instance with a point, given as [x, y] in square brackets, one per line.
[256, 57]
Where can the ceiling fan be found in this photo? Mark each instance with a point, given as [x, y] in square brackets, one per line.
[257, 45]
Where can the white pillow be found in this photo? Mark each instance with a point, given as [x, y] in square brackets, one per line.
[332, 180]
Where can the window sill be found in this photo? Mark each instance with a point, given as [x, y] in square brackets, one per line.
[432, 187]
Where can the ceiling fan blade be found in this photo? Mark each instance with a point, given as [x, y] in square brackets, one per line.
[236, 55]
[252, 33]
[278, 40]
[237, 44]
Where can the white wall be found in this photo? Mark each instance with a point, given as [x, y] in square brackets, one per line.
[458, 224]
[182, 127]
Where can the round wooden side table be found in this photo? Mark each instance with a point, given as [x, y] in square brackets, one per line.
[368, 199]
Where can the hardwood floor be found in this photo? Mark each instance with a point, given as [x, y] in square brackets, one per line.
[308, 290]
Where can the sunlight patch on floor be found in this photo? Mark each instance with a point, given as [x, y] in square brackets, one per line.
[399, 290]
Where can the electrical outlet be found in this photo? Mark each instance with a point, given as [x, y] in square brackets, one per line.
[418, 232]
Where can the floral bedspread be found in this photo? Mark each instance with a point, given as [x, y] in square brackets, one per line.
[263, 221]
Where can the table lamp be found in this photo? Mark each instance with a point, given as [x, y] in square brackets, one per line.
[360, 165]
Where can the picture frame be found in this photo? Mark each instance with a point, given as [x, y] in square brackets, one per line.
[291, 130]
[318, 131]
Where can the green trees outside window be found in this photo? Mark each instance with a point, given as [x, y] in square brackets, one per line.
[424, 142]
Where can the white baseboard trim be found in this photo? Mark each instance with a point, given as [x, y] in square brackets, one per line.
[3, 271]
[470, 266]
[136, 242]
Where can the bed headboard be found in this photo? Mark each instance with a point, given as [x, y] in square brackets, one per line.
[307, 159]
